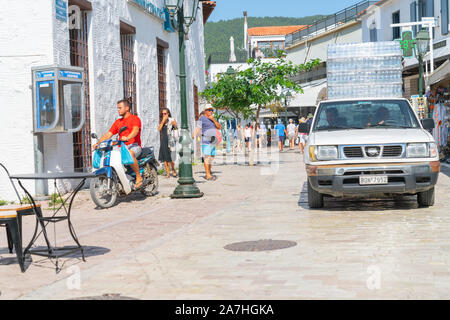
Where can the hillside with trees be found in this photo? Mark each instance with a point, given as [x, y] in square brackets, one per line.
[217, 34]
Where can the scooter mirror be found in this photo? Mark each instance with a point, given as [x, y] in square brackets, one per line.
[123, 129]
[94, 136]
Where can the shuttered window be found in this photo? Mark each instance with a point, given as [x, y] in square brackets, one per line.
[430, 9]
[413, 15]
[78, 39]
[444, 16]
[196, 114]
[127, 33]
[161, 77]
[396, 30]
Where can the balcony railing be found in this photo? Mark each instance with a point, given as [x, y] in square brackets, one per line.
[329, 22]
[224, 57]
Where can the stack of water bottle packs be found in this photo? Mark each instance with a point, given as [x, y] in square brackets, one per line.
[364, 70]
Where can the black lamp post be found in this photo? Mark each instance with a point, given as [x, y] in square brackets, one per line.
[287, 97]
[421, 45]
[183, 14]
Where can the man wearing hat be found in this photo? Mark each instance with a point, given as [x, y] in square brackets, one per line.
[208, 126]
[302, 136]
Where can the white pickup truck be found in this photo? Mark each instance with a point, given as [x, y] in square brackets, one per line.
[370, 147]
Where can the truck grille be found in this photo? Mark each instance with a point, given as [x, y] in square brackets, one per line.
[392, 151]
[353, 152]
[371, 151]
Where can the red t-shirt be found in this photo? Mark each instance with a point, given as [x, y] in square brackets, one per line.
[130, 122]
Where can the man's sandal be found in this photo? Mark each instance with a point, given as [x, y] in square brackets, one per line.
[139, 185]
[212, 178]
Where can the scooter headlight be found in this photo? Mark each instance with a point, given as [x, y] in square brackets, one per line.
[103, 145]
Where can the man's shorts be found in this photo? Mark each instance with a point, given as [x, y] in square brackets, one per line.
[135, 148]
[282, 139]
[291, 136]
[208, 150]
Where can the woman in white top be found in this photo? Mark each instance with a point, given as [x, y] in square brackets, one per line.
[248, 136]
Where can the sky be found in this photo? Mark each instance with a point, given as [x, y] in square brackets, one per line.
[230, 9]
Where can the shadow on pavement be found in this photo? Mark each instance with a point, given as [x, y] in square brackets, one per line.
[362, 204]
[89, 251]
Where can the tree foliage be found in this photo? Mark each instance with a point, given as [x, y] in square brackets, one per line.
[258, 85]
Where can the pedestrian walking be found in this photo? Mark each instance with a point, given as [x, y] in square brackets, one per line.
[302, 136]
[291, 129]
[248, 136]
[207, 126]
[168, 137]
[259, 135]
[239, 137]
[281, 133]
[269, 137]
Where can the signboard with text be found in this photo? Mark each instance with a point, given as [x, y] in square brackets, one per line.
[61, 10]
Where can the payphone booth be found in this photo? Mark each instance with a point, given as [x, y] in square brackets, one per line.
[58, 99]
[58, 107]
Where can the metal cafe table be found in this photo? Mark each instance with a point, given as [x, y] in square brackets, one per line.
[53, 252]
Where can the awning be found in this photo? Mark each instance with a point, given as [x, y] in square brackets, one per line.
[441, 73]
[310, 95]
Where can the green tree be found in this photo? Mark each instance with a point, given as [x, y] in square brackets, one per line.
[258, 85]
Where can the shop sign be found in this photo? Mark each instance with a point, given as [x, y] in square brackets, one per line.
[150, 7]
[61, 10]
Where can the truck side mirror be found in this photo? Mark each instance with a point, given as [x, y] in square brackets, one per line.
[427, 124]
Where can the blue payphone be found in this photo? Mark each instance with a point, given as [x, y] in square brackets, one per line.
[58, 99]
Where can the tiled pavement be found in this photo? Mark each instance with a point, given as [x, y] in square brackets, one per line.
[174, 249]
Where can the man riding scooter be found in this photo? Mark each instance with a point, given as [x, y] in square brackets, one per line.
[131, 136]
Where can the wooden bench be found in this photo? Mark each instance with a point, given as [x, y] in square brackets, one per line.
[11, 218]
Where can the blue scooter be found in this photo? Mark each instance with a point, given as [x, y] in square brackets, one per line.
[113, 179]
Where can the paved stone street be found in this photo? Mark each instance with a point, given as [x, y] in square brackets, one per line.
[158, 248]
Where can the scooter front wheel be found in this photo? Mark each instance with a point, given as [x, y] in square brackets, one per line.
[103, 195]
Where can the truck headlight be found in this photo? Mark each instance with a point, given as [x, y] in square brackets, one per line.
[417, 150]
[327, 153]
[433, 150]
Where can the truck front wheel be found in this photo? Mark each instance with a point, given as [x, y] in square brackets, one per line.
[315, 199]
[426, 198]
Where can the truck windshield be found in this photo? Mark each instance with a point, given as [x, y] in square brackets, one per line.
[364, 114]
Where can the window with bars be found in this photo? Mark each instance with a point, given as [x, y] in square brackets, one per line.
[78, 40]
[129, 68]
[196, 102]
[396, 30]
[162, 77]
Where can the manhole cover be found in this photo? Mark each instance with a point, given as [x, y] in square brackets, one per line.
[260, 245]
[106, 297]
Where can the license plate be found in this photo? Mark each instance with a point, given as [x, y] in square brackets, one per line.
[364, 180]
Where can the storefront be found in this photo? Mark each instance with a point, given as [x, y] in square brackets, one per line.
[126, 48]
[439, 106]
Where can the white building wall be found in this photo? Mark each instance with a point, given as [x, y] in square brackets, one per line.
[19, 52]
[382, 17]
[36, 38]
[317, 48]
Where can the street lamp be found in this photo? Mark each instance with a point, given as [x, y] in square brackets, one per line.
[182, 14]
[287, 97]
[421, 45]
